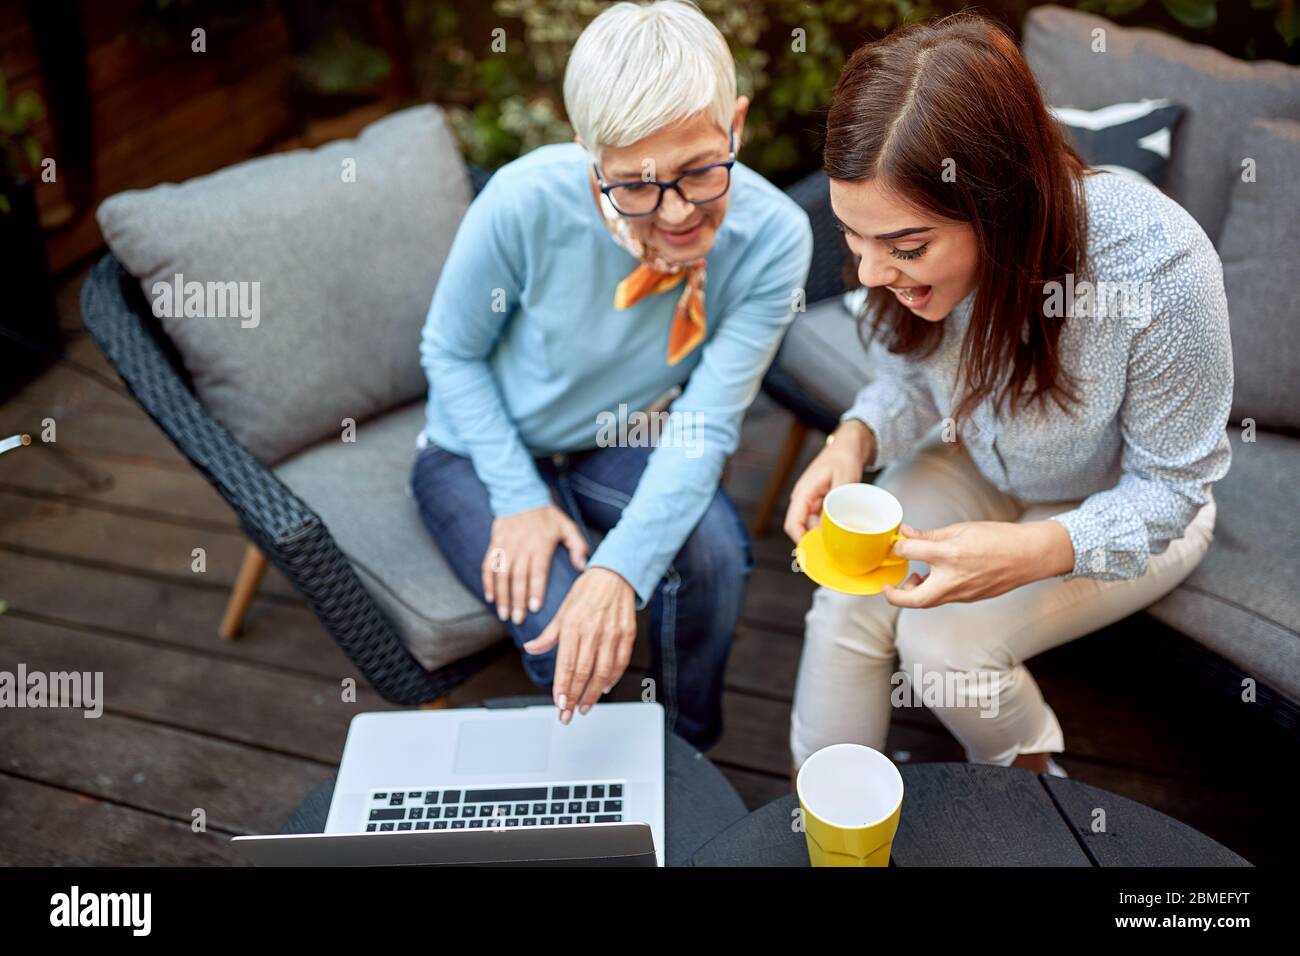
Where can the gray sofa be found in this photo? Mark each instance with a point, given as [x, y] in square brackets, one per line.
[1242, 602]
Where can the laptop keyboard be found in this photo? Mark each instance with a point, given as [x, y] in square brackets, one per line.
[476, 808]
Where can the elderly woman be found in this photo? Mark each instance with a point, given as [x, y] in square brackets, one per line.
[575, 290]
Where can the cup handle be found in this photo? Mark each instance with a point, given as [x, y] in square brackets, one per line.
[894, 562]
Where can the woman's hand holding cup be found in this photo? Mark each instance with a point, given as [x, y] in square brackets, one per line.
[842, 461]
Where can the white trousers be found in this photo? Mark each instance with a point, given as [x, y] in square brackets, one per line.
[964, 661]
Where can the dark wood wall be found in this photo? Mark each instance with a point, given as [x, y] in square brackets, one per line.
[158, 111]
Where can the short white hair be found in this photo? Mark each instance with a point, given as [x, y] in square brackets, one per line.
[639, 67]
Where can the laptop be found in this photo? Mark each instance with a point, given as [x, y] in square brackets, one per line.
[483, 786]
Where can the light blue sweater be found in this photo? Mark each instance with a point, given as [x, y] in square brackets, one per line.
[526, 355]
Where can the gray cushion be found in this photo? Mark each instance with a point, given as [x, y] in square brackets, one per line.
[361, 492]
[1240, 602]
[1261, 237]
[346, 271]
[824, 355]
[1221, 94]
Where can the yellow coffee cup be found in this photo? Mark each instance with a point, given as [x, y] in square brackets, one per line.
[859, 527]
[851, 797]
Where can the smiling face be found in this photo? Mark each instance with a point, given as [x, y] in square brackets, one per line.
[928, 263]
[678, 230]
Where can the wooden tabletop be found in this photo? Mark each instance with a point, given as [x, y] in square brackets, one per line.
[960, 814]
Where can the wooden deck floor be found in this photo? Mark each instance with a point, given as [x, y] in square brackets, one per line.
[96, 534]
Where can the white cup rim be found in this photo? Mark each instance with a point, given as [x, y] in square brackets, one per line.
[882, 498]
[876, 758]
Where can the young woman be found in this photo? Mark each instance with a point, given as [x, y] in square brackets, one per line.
[576, 289]
[1054, 379]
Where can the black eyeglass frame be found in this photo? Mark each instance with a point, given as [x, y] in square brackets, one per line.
[607, 188]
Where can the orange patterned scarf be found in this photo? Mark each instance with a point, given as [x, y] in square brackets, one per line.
[656, 274]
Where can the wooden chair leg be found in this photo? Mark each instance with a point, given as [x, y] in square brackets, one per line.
[241, 595]
[438, 703]
[780, 476]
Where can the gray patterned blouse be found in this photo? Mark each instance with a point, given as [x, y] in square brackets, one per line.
[1148, 346]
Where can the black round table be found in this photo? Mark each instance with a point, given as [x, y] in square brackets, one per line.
[699, 802]
[958, 814]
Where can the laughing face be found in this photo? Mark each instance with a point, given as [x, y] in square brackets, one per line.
[928, 263]
[678, 230]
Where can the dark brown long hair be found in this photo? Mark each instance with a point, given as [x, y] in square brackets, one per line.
[957, 96]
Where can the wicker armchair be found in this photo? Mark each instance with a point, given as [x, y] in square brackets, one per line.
[278, 523]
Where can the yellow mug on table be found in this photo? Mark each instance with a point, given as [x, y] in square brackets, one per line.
[851, 797]
[859, 527]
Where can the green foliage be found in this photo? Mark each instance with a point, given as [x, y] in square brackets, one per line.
[339, 63]
[1198, 14]
[1111, 8]
[788, 55]
[1203, 15]
[20, 151]
[502, 104]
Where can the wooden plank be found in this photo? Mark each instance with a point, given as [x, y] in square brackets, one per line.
[93, 428]
[45, 826]
[258, 119]
[1130, 833]
[63, 386]
[1214, 809]
[162, 770]
[96, 419]
[126, 487]
[964, 815]
[173, 92]
[775, 552]
[17, 51]
[121, 55]
[89, 535]
[232, 700]
[170, 129]
[275, 633]
[764, 662]
[777, 599]
[504, 677]
[67, 303]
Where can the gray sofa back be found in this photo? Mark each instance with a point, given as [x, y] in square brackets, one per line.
[1222, 95]
[1233, 166]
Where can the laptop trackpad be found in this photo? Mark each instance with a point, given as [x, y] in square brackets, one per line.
[503, 746]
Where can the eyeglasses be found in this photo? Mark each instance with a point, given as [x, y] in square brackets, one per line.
[698, 186]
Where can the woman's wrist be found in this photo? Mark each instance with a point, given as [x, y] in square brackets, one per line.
[1051, 550]
[856, 437]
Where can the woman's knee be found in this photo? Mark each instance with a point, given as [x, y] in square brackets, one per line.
[861, 624]
[949, 662]
[951, 637]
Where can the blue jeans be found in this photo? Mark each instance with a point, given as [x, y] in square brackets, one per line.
[695, 607]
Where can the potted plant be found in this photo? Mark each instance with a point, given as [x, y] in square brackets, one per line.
[28, 324]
